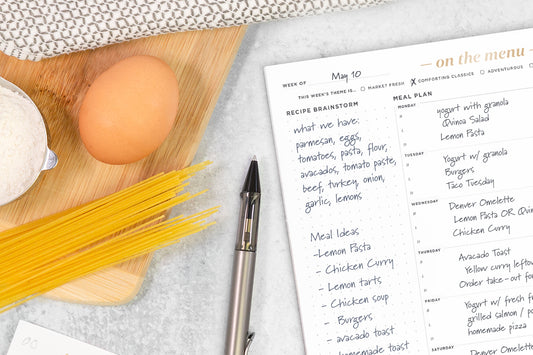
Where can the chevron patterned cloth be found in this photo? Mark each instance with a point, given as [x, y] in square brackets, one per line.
[36, 29]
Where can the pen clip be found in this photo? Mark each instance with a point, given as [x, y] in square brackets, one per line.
[249, 342]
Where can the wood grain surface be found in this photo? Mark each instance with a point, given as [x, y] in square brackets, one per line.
[201, 61]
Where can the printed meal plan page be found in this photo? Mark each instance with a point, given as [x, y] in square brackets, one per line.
[408, 191]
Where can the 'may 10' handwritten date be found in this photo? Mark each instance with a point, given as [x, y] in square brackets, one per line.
[345, 76]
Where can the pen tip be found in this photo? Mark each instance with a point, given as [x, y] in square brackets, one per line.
[254, 158]
[251, 184]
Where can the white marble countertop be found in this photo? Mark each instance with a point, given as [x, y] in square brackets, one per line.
[181, 308]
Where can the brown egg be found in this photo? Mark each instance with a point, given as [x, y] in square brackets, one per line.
[129, 110]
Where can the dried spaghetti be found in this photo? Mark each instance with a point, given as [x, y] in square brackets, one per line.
[41, 255]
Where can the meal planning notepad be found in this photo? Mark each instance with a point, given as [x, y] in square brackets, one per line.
[407, 180]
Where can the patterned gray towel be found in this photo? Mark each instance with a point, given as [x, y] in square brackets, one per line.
[36, 29]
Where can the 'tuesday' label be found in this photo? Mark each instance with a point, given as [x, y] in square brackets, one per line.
[31, 339]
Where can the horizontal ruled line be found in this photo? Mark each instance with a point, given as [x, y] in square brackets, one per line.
[479, 94]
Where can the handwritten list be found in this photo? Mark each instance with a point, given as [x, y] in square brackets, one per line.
[409, 197]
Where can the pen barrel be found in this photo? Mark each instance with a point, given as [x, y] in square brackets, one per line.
[241, 301]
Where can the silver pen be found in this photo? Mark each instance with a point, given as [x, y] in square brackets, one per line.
[238, 339]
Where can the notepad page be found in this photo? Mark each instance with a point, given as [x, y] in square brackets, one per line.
[31, 339]
[408, 191]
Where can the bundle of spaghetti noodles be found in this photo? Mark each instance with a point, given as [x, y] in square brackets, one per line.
[41, 255]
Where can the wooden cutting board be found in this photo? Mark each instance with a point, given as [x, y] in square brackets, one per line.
[201, 61]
